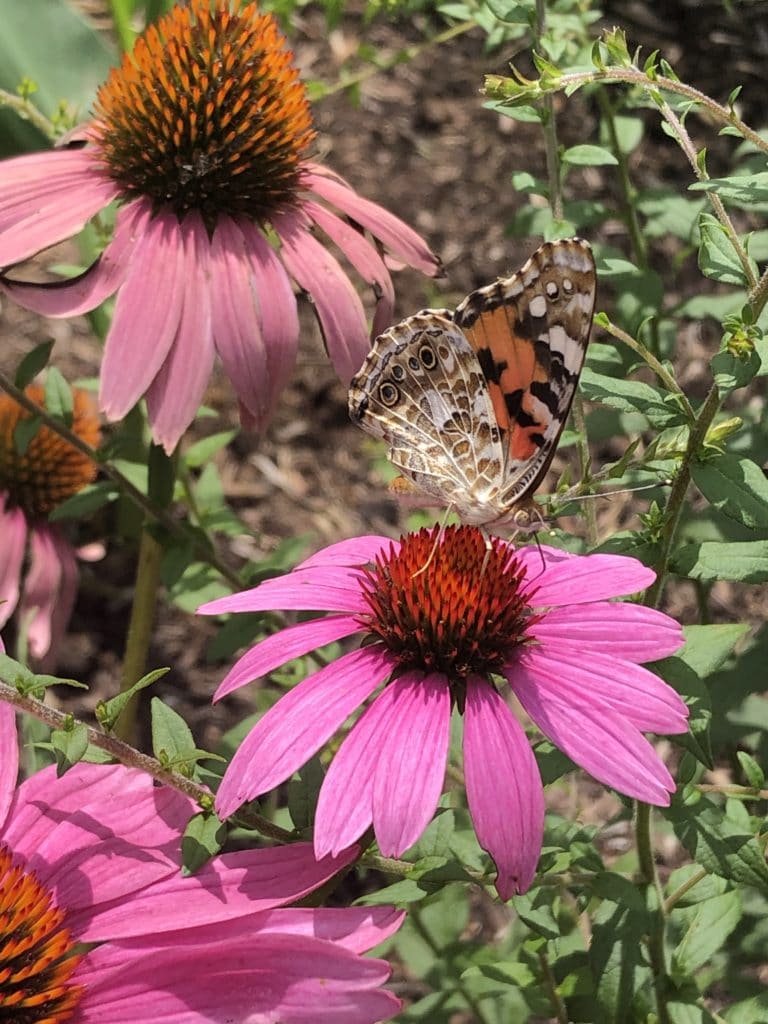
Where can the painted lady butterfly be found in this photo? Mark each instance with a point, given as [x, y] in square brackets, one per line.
[472, 403]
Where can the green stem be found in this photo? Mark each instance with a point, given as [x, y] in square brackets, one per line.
[627, 193]
[422, 931]
[550, 986]
[145, 594]
[657, 938]
[679, 490]
[28, 112]
[128, 755]
[672, 900]
[549, 127]
[121, 21]
[582, 447]
[149, 507]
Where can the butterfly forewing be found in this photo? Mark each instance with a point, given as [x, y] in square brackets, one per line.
[530, 332]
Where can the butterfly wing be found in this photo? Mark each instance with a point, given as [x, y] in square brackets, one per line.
[530, 332]
[421, 389]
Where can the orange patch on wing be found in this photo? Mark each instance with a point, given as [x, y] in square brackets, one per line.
[514, 357]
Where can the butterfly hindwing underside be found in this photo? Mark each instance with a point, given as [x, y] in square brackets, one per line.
[472, 403]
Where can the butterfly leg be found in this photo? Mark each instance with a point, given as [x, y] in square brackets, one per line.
[436, 545]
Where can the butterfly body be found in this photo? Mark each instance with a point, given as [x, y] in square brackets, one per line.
[472, 403]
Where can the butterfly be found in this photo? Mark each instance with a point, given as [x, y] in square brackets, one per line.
[472, 403]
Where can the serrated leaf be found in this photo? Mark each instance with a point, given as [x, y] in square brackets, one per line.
[735, 486]
[716, 842]
[109, 711]
[69, 747]
[32, 364]
[203, 838]
[616, 954]
[711, 923]
[709, 561]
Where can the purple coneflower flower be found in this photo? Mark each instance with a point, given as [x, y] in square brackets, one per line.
[443, 621]
[32, 483]
[202, 137]
[99, 925]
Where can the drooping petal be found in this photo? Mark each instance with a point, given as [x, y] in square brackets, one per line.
[174, 395]
[401, 239]
[356, 928]
[78, 295]
[585, 579]
[256, 325]
[602, 741]
[600, 680]
[292, 979]
[229, 887]
[620, 629]
[363, 257]
[13, 541]
[504, 790]
[47, 198]
[338, 306]
[281, 647]
[147, 316]
[299, 724]
[49, 590]
[413, 755]
[319, 588]
[9, 757]
[352, 552]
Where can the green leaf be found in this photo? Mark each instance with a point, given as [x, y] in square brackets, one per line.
[711, 923]
[753, 772]
[58, 396]
[303, 793]
[737, 487]
[589, 156]
[745, 561]
[69, 746]
[707, 648]
[83, 504]
[718, 258]
[742, 190]
[202, 451]
[716, 841]
[732, 371]
[203, 837]
[32, 363]
[172, 740]
[24, 433]
[536, 911]
[162, 476]
[616, 953]
[661, 410]
[109, 711]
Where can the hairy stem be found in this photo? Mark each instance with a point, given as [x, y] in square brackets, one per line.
[657, 938]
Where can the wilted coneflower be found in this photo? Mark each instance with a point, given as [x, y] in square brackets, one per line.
[445, 621]
[37, 475]
[99, 926]
[202, 136]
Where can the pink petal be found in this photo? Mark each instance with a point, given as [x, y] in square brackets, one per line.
[339, 310]
[356, 551]
[356, 928]
[268, 978]
[299, 724]
[403, 241]
[585, 578]
[13, 542]
[363, 257]
[47, 198]
[229, 887]
[49, 591]
[175, 394]
[602, 680]
[147, 316]
[413, 752]
[605, 743]
[620, 629]
[504, 791]
[320, 588]
[78, 295]
[280, 647]
[9, 757]
[256, 325]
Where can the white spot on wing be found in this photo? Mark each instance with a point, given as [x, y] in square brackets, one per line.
[538, 306]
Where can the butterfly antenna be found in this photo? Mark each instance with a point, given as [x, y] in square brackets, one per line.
[622, 490]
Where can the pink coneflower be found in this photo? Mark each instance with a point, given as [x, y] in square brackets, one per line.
[202, 136]
[93, 858]
[442, 627]
[34, 479]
